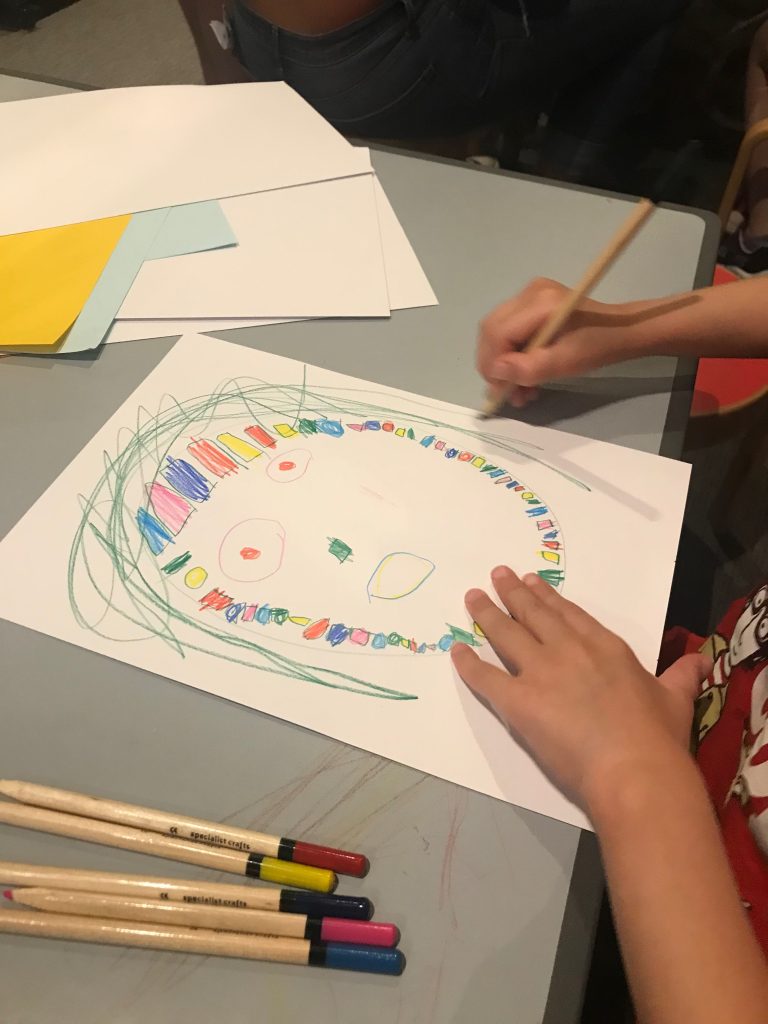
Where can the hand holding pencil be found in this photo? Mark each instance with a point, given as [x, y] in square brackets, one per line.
[550, 331]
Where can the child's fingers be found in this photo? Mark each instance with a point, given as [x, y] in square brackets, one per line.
[529, 369]
[686, 675]
[488, 682]
[519, 396]
[581, 622]
[523, 604]
[502, 333]
[511, 641]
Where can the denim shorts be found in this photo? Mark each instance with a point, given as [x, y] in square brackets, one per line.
[427, 68]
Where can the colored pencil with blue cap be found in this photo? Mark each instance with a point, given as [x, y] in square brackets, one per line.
[182, 890]
[303, 952]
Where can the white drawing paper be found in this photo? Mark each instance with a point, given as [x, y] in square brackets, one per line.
[300, 541]
[140, 330]
[309, 251]
[84, 155]
[407, 282]
[407, 286]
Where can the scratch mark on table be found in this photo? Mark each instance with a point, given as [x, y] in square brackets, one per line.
[459, 809]
[385, 806]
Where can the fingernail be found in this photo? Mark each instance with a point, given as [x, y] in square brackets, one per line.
[530, 579]
[473, 595]
[501, 572]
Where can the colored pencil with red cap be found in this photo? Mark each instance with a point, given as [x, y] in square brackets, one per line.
[180, 826]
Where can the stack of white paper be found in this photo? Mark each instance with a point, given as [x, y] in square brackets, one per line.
[316, 234]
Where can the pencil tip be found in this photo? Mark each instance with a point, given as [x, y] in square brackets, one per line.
[8, 894]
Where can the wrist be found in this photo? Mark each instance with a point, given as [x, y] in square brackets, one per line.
[629, 791]
[618, 332]
[674, 326]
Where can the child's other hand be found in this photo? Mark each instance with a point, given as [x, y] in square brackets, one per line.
[593, 336]
[574, 694]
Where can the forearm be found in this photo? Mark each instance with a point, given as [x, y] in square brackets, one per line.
[728, 320]
[677, 910]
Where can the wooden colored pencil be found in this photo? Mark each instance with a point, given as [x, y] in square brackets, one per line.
[253, 922]
[179, 890]
[182, 827]
[593, 275]
[204, 941]
[252, 865]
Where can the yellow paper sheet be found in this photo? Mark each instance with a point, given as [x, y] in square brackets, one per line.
[47, 276]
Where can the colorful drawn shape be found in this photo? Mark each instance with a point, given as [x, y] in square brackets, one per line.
[289, 466]
[185, 478]
[153, 532]
[240, 448]
[260, 435]
[212, 458]
[252, 550]
[339, 549]
[399, 574]
[172, 510]
[177, 564]
[196, 577]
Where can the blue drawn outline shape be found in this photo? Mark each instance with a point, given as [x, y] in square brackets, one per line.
[408, 593]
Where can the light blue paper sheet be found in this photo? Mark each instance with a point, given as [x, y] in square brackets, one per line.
[107, 297]
[156, 234]
[194, 227]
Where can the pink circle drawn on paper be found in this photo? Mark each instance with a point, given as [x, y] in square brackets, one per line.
[289, 466]
[252, 550]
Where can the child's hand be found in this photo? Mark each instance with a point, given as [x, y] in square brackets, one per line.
[574, 693]
[594, 335]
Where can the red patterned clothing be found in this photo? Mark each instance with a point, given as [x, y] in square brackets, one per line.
[732, 726]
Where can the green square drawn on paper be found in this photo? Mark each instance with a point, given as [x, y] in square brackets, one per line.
[339, 549]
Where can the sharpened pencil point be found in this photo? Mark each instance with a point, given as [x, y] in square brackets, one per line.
[8, 894]
[491, 407]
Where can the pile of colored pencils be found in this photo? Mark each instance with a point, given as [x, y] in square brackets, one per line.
[307, 925]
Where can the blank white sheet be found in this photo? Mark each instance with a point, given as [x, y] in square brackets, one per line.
[140, 330]
[407, 283]
[302, 252]
[81, 156]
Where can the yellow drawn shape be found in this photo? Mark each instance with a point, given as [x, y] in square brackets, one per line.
[300, 620]
[48, 276]
[398, 575]
[479, 461]
[478, 630]
[551, 556]
[400, 432]
[196, 577]
[239, 447]
[284, 430]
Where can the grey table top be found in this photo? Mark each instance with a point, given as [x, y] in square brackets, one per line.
[497, 905]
